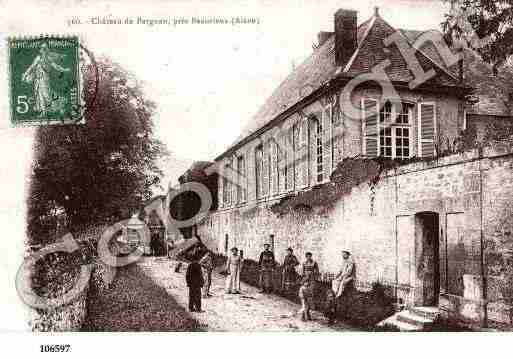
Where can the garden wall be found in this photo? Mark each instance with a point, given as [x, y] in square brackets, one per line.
[470, 193]
[71, 316]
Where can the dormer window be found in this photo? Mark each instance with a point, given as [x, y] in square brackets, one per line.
[395, 130]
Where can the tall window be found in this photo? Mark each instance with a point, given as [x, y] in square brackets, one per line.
[259, 166]
[395, 130]
[318, 150]
[296, 138]
[285, 163]
[241, 182]
[227, 190]
[274, 177]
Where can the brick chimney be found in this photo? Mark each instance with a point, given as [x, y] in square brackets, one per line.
[345, 35]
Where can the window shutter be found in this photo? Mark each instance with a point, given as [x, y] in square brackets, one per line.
[258, 171]
[303, 154]
[314, 121]
[282, 161]
[234, 180]
[227, 186]
[244, 180]
[265, 169]
[327, 143]
[296, 129]
[290, 158]
[427, 129]
[221, 189]
[370, 112]
[273, 146]
[336, 114]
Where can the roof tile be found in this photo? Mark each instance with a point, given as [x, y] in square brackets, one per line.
[320, 67]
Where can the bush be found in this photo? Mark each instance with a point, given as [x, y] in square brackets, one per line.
[366, 309]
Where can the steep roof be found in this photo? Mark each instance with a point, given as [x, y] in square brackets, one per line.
[320, 67]
[372, 51]
[196, 172]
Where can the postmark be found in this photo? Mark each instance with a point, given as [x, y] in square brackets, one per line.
[44, 80]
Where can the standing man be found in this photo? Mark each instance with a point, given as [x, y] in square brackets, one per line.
[343, 284]
[207, 263]
[194, 279]
[267, 264]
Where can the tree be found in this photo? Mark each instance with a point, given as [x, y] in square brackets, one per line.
[486, 26]
[98, 171]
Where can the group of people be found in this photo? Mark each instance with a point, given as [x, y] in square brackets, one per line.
[199, 275]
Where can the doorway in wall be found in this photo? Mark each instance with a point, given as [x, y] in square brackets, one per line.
[427, 258]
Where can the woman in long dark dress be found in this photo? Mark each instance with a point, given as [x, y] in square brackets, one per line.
[290, 275]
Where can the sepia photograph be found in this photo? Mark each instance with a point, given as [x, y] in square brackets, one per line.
[340, 167]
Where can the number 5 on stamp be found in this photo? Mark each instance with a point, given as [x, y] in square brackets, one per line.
[44, 80]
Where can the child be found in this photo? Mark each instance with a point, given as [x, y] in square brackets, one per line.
[330, 309]
[306, 294]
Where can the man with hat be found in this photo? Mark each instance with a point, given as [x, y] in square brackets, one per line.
[343, 284]
[267, 264]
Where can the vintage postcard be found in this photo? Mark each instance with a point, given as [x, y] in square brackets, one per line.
[224, 166]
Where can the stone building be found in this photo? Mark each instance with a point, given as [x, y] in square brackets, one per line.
[434, 231]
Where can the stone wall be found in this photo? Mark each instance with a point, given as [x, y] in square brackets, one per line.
[67, 318]
[70, 317]
[470, 194]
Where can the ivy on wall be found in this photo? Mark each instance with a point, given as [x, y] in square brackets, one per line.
[349, 173]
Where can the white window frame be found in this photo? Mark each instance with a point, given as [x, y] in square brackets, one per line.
[241, 174]
[227, 187]
[319, 145]
[259, 171]
[331, 107]
[393, 125]
[285, 159]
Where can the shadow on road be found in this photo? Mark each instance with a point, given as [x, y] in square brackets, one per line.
[135, 303]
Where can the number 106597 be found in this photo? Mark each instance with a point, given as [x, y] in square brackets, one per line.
[55, 348]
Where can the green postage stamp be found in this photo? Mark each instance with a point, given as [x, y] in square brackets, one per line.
[44, 80]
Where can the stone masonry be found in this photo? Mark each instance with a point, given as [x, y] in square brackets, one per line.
[470, 195]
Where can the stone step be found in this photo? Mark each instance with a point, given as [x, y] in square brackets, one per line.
[394, 322]
[408, 317]
[427, 312]
[413, 319]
